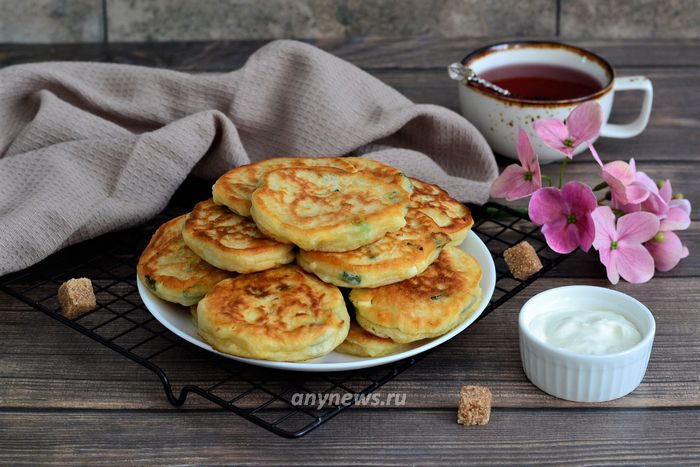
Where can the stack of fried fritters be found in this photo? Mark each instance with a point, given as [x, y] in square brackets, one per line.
[348, 222]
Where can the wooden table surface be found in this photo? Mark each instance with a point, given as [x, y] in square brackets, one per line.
[66, 399]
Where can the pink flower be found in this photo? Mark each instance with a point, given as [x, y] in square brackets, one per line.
[622, 178]
[565, 216]
[582, 126]
[519, 181]
[678, 215]
[655, 202]
[667, 250]
[674, 214]
[620, 246]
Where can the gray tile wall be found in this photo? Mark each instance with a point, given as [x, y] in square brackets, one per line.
[51, 21]
[630, 19]
[44, 21]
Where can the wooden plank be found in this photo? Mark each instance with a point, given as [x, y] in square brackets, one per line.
[673, 132]
[65, 370]
[15, 54]
[363, 437]
[674, 128]
[52, 379]
[426, 52]
[373, 53]
[408, 54]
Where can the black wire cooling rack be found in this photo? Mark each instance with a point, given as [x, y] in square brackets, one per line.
[263, 396]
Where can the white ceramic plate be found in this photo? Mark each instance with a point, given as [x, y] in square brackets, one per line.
[177, 318]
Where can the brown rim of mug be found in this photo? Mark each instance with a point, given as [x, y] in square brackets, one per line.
[501, 46]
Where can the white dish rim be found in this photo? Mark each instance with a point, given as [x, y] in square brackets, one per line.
[176, 318]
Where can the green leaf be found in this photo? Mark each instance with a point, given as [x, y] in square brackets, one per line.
[600, 186]
[150, 282]
[349, 278]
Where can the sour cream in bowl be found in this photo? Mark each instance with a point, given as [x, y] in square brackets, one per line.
[586, 331]
[584, 343]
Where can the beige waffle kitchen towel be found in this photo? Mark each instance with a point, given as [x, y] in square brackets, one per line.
[86, 148]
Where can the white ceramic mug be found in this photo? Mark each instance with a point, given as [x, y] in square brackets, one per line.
[499, 117]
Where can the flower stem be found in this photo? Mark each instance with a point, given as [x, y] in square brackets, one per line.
[561, 171]
[549, 179]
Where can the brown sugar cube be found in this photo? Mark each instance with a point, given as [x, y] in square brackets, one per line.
[522, 260]
[474, 405]
[76, 297]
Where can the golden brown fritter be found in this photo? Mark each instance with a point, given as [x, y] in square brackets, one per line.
[234, 188]
[281, 314]
[327, 209]
[232, 242]
[453, 217]
[365, 344]
[395, 257]
[172, 271]
[428, 305]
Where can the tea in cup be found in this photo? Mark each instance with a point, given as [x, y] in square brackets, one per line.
[546, 80]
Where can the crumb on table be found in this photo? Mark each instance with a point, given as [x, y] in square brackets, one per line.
[474, 405]
[76, 297]
[522, 260]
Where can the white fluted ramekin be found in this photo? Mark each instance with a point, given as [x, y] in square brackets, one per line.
[585, 378]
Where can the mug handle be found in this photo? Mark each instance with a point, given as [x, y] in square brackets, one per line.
[628, 130]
